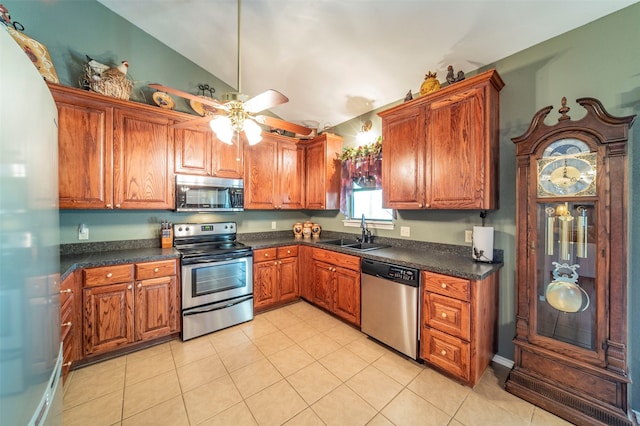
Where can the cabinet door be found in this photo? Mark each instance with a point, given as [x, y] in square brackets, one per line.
[315, 176]
[85, 153]
[192, 152]
[261, 165]
[288, 282]
[305, 261]
[143, 163]
[455, 155]
[70, 320]
[155, 313]
[346, 295]
[403, 165]
[290, 176]
[323, 284]
[264, 283]
[323, 172]
[108, 317]
[228, 159]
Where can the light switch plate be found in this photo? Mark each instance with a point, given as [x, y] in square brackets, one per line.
[273, 225]
[83, 232]
[468, 236]
[405, 231]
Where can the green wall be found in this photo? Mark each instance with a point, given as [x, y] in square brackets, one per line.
[600, 60]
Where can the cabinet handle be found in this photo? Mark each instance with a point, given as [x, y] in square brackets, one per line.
[288, 251]
[266, 255]
[139, 285]
[129, 287]
[109, 275]
[68, 290]
[109, 205]
[66, 324]
[420, 205]
[275, 263]
[427, 205]
[444, 315]
[66, 364]
[156, 269]
[117, 206]
[443, 285]
[443, 352]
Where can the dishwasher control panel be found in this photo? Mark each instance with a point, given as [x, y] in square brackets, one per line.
[400, 274]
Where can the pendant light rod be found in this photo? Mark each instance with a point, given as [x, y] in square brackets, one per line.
[239, 46]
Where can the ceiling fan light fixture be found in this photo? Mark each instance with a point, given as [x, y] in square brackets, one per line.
[221, 125]
[253, 131]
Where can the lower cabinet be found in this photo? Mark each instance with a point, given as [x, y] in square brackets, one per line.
[336, 283]
[459, 320]
[126, 304]
[275, 276]
[70, 330]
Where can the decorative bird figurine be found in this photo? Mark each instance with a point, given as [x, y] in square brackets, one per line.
[450, 78]
[98, 68]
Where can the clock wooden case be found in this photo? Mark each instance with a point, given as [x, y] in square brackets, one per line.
[571, 270]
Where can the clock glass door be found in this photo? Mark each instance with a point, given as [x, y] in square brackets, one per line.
[566, 272]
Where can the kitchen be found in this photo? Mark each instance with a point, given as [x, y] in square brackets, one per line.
[446, 227]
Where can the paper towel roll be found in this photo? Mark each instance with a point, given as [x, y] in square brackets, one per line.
[482, 244]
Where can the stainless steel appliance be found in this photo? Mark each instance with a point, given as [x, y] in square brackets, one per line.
[30, 348]
[208, 194]
[389, 311]
[217, 277]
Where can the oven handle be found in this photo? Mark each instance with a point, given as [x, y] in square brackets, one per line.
[216, 307]
[219, 259]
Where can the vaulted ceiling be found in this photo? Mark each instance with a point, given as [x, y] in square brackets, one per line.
[337, 59]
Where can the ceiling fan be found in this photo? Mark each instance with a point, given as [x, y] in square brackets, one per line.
[236, 112]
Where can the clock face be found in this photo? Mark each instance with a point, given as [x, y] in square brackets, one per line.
[568, 146]
[567, 175]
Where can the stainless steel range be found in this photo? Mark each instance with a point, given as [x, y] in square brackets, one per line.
[217, 277]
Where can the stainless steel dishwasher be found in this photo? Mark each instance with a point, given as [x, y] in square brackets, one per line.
[389, 308]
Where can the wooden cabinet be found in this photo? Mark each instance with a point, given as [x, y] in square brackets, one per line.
[336, 284]
[305, 273]
[323, 172]
[274, 174]
[129, 303]
[70, 320]
[85, 151]
[571, 341]
[112, 153]
[199, 152]
[441, 150]
[458, 325]
[275, 276]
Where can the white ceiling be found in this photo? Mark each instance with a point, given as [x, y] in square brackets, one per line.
[337, 59]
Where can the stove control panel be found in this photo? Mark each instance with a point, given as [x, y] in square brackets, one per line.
[181, 230]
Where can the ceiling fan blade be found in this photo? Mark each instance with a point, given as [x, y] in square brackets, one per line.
[204, 101]
[281, 124]
[192, 123]
[265, 100]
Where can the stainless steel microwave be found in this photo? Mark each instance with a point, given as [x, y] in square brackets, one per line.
[208, 194]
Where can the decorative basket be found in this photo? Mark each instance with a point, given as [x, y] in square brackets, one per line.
[109, 84]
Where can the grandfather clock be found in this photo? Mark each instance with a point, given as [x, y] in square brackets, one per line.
[571, 267]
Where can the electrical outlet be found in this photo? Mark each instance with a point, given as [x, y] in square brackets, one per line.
[405, 231]
[273, 225]
[83, 232]
[468, 236]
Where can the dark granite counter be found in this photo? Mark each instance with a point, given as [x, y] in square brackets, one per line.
[440, 258]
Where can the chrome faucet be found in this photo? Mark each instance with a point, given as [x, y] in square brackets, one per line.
[366, 234]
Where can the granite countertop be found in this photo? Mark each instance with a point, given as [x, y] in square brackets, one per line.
[439, 258]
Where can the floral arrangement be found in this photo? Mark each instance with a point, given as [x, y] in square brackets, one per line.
[359, 152]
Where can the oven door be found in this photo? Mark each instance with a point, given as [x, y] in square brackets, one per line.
[205, 283]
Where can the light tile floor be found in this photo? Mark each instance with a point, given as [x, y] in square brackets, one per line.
[296, 365]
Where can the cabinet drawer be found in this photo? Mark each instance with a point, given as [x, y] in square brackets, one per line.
[337, 259]
[107, 275]
[261, 255]
[288, 251]
[448, 315]
[458, 288]
[66, 321]
[445, 351]
[162, 268]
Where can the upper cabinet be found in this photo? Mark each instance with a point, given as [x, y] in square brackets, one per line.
[199, 152]
[112, 153]
[323, 172]
[441, 150]
[274, 174]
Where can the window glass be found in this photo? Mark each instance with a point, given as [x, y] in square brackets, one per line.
[369, 202]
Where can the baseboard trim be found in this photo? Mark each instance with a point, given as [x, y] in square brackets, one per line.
[502, 361]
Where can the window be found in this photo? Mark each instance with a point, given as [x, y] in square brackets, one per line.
[368, 201]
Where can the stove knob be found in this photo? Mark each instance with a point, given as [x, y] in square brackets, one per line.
[186, 229]
[180, 229]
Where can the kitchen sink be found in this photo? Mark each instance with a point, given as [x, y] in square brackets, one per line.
[354, 244]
